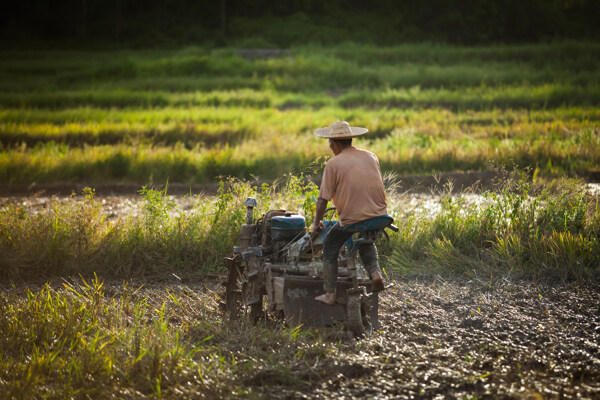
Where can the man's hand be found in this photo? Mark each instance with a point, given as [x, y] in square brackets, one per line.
[317, 226]
[318, 223]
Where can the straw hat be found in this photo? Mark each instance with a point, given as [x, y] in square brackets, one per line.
[340, 130]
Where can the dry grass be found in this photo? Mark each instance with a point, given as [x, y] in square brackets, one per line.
[81, 339]
[166, 339]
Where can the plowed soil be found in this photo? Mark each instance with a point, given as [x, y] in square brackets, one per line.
[465, 340]
[439, 339]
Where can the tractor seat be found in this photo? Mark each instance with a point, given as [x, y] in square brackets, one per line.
[371, 224]
[369, 230]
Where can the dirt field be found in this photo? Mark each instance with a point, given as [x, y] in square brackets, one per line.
[439, 339]
[465, 340]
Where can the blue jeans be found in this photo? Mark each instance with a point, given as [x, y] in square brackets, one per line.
[332, 244]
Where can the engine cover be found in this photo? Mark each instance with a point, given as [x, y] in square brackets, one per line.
[287, 227]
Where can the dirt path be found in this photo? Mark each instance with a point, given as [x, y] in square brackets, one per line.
[416, 183]
[467, 340]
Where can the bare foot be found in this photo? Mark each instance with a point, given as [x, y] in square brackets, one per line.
[327, 298]
[377, 282]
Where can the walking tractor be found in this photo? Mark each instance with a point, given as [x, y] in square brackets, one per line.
[277, 269]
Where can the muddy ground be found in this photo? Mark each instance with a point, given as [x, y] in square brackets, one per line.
[419, 183]
[115, 206]
[448, 340]
[441, 339]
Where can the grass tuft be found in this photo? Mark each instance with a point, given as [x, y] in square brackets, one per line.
[522, 230]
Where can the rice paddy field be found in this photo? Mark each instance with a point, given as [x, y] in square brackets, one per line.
[194, 114]
[119, 296]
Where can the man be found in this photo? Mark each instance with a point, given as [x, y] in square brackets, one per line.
[352, 179]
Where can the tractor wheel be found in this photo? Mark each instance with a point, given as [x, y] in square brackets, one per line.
[357, 315]
[236, 291]
[234, 286]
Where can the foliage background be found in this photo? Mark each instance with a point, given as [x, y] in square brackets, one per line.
[271, 23]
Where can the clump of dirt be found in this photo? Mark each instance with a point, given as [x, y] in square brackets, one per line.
[469, 339]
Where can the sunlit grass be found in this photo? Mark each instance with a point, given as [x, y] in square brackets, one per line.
[87, 339]
[554, 148]
[83, 338]
[524, 229]
[198, 114]
[191, 115]
[77, 238]
[520, 229]
[477, 97]
[200, 144]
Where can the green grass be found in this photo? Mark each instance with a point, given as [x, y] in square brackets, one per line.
[80, 338]
[526, 229]
[90, 145]
[194, 114]
[522, 229]
[84, 339]
[77, 238]
[306, 69]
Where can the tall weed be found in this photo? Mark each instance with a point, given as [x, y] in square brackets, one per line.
[76, 238]
[523, 229]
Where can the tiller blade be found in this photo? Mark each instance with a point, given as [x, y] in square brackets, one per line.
[300, 307]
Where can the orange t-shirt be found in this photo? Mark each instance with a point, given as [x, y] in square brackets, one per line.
[352, 179]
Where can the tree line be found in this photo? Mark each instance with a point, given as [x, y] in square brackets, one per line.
[280, 23]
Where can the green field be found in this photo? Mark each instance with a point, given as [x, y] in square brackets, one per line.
[496, 289]
[198, 115]
[162, 334]
[525, 228]
[195, 114]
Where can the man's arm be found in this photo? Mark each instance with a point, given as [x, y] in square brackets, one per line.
[321, 206]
